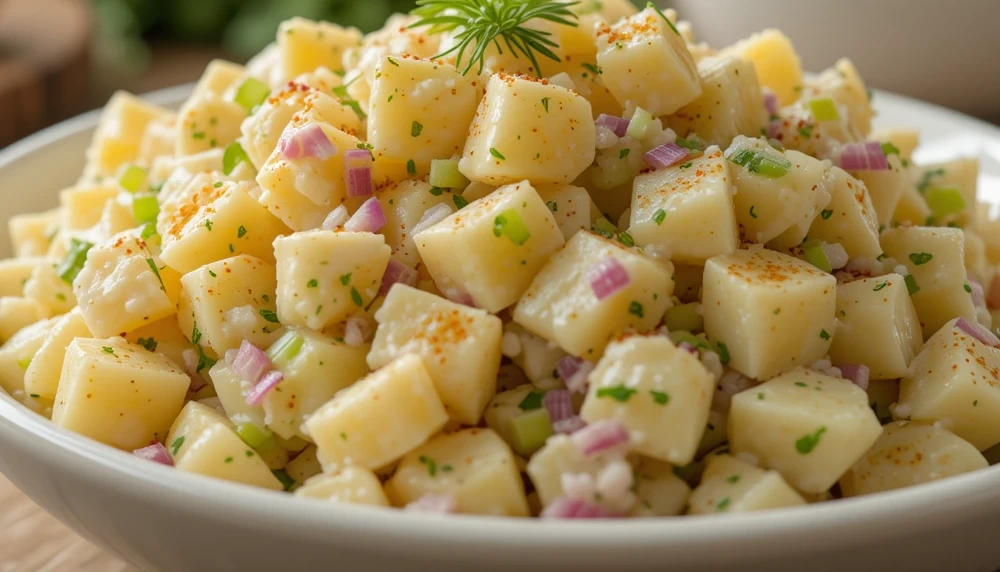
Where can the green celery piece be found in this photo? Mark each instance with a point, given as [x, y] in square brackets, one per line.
[445, 175]
[529, 431]
[684, 317]
[814, 254]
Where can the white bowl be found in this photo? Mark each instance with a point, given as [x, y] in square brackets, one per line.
[165, 520]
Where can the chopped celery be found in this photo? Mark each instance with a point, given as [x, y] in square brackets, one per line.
[824, 109]
[253, 435]
[529, 431]
[641, 121]
[251, 93]
[814, 254]
[509, 224]
[74, 261]
[911, 284]
[145, 208]
[761, 163]
[603, 227]
[684, 317]
[284, 351]
[286, 481]
[233, 156]
[945, 201]
[445, 175]
[132, 178]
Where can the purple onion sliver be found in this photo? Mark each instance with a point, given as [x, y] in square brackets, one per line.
[607, 277]
[156, 453]
[270, 380]
[665, 155]
[251, 363]
[564, 507]
[569, 425]
[770, 101]
[617, 125]
[397, 273]
[980, 333]
[433, 504]
[369, 218]
[978, 296]
[559, 404]
[600, 436]
[305, 142]
[858, 374]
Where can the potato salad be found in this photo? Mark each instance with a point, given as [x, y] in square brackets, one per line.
[514, 258]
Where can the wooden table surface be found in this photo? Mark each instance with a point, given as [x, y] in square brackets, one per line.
[33, 541]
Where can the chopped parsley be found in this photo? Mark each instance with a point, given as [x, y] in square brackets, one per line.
[343, 436]
[393, 62]
[626, 239]
[760, 397]
[967, 288]
[752, 214]
[241, 232]
[624, 153]
[553, 206]
[880, 286]
[415, 129]
[109, 350]
[249, 453]
[148, 343]
[659, 397]
[269, 315]
[724, 356]
[356, 297]
[436, 191]
[212, 274]
[658, 216]
[431, 465]
[217, 185]
[889, 149]
[545, 103]
[805, 444]
[925, 179]
[619, 393]
[531, 401]
[592, 68]
[228, 460]
[411, 167]
[919, 258]
[826, 214]
[459, 201]
[806, 131]
[722, 504]
[176, 445]
[911, 284]
[732, 479]
[801, 384]
[497, 154]
[346, 279]
[312, 283]
[824, 335]
[686, 165]
[635, 309]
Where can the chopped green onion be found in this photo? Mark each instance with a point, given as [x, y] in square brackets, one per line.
[945, 201]
[664, 16]
[814, 254]
[233, 156]
[176, 445]
[251, 93]
[824, 109]
[619, 393]
[269, 315]
[445, 174]
[684, 318]
[604, 228]
[920, 258]
[689, 144]
[889, 149]
[658, 216]
[253, 435]
[761, 163]
[411, 167]
[639, 124]
[625, 238]
[529, 431]
[509, 224]
[807, 443]
[74, 261]
[497, 154]
[284, 351]
[911, 284]
[145, 208]
[286, 481]
[531, 401]
[132, 178]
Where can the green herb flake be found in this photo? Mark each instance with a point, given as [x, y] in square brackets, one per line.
[553, 206]
[148, 343]
[459, 200]
[920, 258]
[911, 284]
[826, 214]
[659, 216]
[626, 239]
[346, 279]
[393, 61]
[624, 153]
[176, 445]
[430, 464]
[592, 68]
[686, 165]
[411, 167]
[664, 16]
[801, 384]
[880, 286]
[436, 191]
[356, 297]
[269, 315]
[531, 401]
[241, 232]
[228, 460]
[805, 444]
[415, 129]
[659, 397]
[619, 393]
[545, 103]
[752, 214]
[208, 223]
[109, 350]
[497, 154]
[824, 335]
[635, 309]
[724, 356]
[722, 504]
[732, 479]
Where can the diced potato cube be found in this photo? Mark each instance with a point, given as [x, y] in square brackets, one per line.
[658, 491]
[41, 377]
[351, 485]
[229, 301]
[732, 485]
[473, 466]
[843, 83]
[305, 45]
[193, 419]
[16, 355]
[912, 207]
[877, 326]
[118, 393]
[378, 419]
[528, 129]
[118, 134]
[935, 257]
[885, 188]
[730, 103]
[955, 379]
[304, 466]
[460, 347]
[538, 357]
[807, 426]
[908, 454]
[17, 313]
[961, 174]
[645, 63]
[404, 204]
[48, 289]
[32, 233]
[321, 368]
[570, 205]
[686, 210]
[232, 391]
[207, 122]
[163, 337]
[218, 452]
[560, 455]
[660, 393]
[83, 204]
[773, 312]
[561, 305]
[14, 273]
[778, 66]
[769, 207]
[219, 76]
[905, 139]
[325, 276]
[977, 265]
[492, 248]
[124, 286]
[210, 220]
[159, 139]
[850, 219]
[420, 109]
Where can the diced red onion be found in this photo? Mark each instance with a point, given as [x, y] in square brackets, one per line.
[563, 507]
[980, 333]
[197, 382]
[397, 272]
[978, 297]
[458, 296]
[863, 157]
[355, 331]
[559, 404]
[155, 452]
[336, 219]
[856, 373]
[836, 254]
[270, 380]
[600, 436]
[993, 300]
[432, 503]
[730, 383]
[617, 125]
[607, 277]
[305, 142]
[250, 363]
[665, 155]
[369, 218]
[773, 129]
[358, 172]
[574, 372]
[431, 217]
[688, 348]
[770, 101]
[569, 425]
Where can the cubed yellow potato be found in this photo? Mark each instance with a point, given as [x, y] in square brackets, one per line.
[849, 219]
[319, 370]
[218, 452]
[776, 209]
[324, 277]
[528, 129]
[955, 379]
[843, 83]
[646, 63]
[32, 233]
[301, 192]
[118, 393]
[961, 174]
[474, 466]
[420, 109]
[459, 345]
[15, 272]
[885, 188]
[229, 301]
[41, 377]
[659, 393]
[16, 355]
[570, 205]
[977, 265]
[686, 211]
[561, 305]
[777, 64]
[492, 248]
[378, 419]
[731, 485]
[987, 224]
[193, 419]
[560, 455]
[730, 103]
[219, 76]
[908, 454]
[232, 391]
[207, 122]
[911, 208]
[118, 134]
[807, 426]
[773, 312]
[294, 105]
[658, 491]
[935, 257]
[305, 45]
[117, 216]
[159, 139]
[210, 220]
[124, 286]
[48, 289]
[538, 357]
[351, 485]
[905, 139]
[304, 466]
[163, 337]
[590, 85]
[877, 326]
[403, 205]
[17, 312]
[82, 205]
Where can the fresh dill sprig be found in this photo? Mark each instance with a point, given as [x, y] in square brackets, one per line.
[664, 16]
[483, 22]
